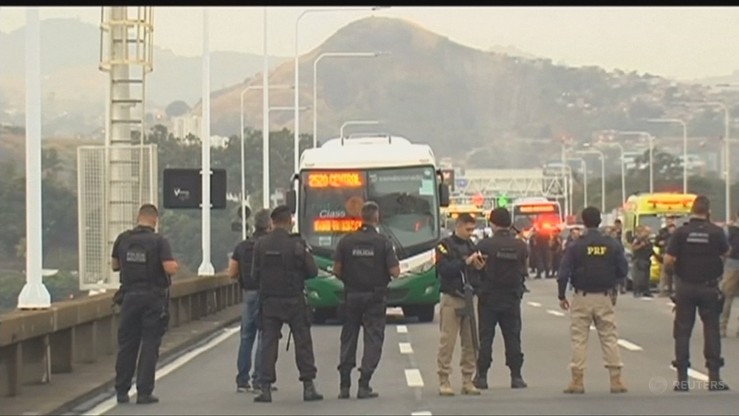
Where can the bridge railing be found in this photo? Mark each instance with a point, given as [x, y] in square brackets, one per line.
[34, 345]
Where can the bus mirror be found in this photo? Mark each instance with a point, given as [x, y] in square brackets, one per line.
[443, 195]
[291, 200]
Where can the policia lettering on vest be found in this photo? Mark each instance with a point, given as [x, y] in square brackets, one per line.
[282, 263]
[144, 259]
[595, 265]
[697, 250]
[499, 297]
[365, 261]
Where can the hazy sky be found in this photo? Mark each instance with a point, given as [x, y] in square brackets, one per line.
[677, 42]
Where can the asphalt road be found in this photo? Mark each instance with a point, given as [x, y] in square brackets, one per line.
[407, 382]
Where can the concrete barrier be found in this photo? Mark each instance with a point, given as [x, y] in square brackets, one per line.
[34, 345]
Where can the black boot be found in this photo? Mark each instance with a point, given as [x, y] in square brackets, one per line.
[309, 392]
[682, 380]
[516, 379]
[265, 396]
[365, 391]
[714, 381]
[481, 379]
[147, 399]
[345, 383]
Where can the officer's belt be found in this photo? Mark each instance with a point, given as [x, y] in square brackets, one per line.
[590, 292]
[157, 290]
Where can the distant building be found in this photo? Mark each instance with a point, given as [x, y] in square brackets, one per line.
[185, 125]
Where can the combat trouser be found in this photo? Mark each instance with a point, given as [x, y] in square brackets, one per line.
[451, 324]
[596, 308]
[708, 300]
[509, 320]
[364, 310]
[140, 330]
[275, 312]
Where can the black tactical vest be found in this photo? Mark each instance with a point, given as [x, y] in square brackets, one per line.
[141, 266]
[365, 268]
[698, 261]
[502, 270]
[594, 262]
[279, 274]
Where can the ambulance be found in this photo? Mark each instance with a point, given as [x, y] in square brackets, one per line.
[651, 210]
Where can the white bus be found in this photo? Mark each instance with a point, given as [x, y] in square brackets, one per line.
[403, 178]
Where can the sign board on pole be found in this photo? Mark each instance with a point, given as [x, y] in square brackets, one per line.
[182, 188]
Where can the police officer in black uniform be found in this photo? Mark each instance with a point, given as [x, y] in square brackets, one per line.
[697, 250]
[144, 259]
[365, 261]
[499, 297]
[282, 263]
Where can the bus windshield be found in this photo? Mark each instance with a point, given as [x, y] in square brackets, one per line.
[331, 206]
[657, 221]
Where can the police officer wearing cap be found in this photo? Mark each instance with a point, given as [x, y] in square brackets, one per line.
[282, 263]
[697, 250]
[365, 261]
[144, 259]
[499, 297]
[594, 264]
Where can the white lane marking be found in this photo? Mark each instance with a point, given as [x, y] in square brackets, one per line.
[535, 304]
[629, 345]
[109, 404]
[402, 329]
[405, 348]
[646, 299]
[413, 377]
[694, 374]
[421, 413]
[592, 327]
[671, 304]
[555, 313]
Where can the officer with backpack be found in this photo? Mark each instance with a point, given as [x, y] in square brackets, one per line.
[239, 267]
[499, 297]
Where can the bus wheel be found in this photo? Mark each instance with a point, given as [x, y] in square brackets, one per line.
[424, 313]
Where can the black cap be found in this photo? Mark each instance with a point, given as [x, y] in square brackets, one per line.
[280, 211]
[500, 217]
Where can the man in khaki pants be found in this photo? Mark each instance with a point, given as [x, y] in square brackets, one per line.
[457, 262]
[594, 265]
[730, 281]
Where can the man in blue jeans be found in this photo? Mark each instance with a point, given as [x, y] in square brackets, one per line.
[239, 267]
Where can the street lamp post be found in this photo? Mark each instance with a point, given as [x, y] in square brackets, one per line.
[727, 159]
[651, 153]
[623, 170]
[685, 145]
[265, 159]
[315, 80]
[206, 267]
[584, 167]
[356, 122]
[602, 175]
[243, 163]
[34, 294]
[296, 133]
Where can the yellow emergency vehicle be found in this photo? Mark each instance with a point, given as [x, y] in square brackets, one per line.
[450, 214]
[651, 210]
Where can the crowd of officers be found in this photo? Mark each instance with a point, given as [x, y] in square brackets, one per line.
[273, 264]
